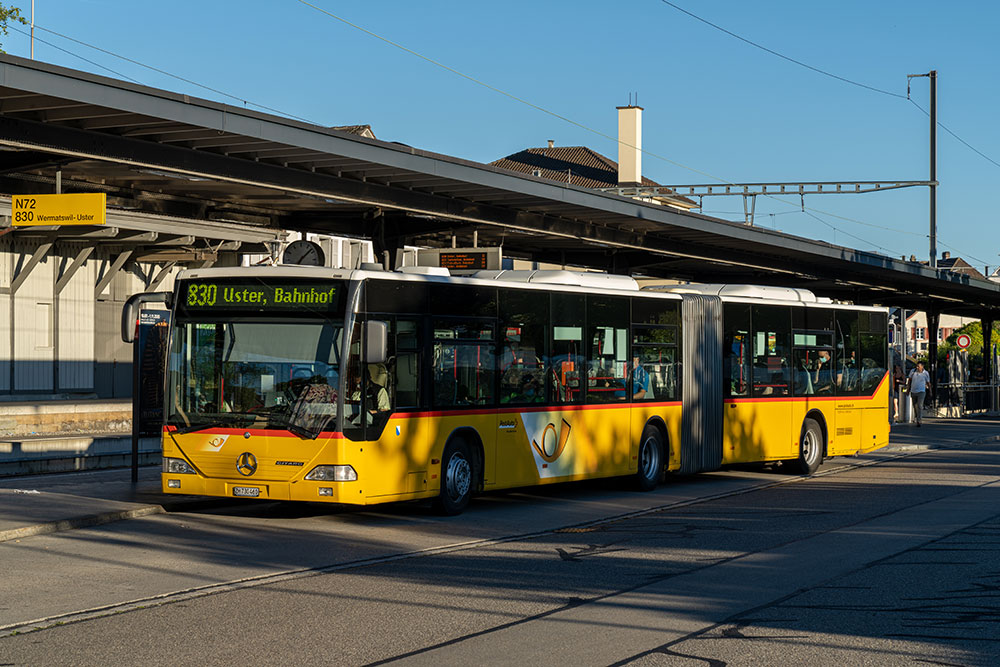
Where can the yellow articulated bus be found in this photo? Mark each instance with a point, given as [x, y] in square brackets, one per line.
[365, 387]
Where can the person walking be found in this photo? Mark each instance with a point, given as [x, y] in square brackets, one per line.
[897, 387]
[918, 382]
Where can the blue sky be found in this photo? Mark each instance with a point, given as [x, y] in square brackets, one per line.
[713, 104]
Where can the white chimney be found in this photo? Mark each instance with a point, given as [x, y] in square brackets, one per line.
[630, 145]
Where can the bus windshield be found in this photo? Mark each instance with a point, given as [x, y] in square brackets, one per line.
[254, 374]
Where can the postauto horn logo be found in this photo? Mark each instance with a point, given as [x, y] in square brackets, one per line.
[552, 446]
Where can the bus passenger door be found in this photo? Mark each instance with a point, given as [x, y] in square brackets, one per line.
[738, 414]
[846, 429]
[773, 434]
[463, 369]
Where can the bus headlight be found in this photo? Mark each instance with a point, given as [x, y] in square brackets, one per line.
[333, 474]
[177, 467]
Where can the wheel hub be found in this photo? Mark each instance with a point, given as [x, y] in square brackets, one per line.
[458, 477]
[648, 458]
[809, 449]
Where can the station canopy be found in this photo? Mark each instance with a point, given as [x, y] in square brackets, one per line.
[174, 155]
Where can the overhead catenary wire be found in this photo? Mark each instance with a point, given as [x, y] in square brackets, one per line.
[853, 236]
[158, 71]
[75, 55]
[854, 83]
[490, 87]
[783, 56]
[396, 45]
[964, 254]
[830, 74]
[500, 91]
[960, 139]
[537, 107]
[809, 213]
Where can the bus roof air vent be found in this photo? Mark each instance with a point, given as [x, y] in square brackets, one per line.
[558, 277]
[741, 291]
[425, 270]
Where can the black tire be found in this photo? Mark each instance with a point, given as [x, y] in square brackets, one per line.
[810, 448]
[650, 464]
[457, 473]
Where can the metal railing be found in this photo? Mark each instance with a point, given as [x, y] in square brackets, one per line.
[966, 398]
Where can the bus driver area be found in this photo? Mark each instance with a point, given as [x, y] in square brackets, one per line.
[365, 387]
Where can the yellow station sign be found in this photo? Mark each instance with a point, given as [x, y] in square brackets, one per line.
[71, 209]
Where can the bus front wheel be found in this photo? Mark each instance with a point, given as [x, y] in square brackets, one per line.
[456, 479]
[650, 468]
[810, 448]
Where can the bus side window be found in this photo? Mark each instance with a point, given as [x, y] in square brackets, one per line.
[353, 423]
[464, 362]
[380, 386]
[406, 365]
[524, 337]
[771, 350]
[736, 349]
[566, 362]
[654, 368]
[874, 351]
[607, 335]
[845, 362]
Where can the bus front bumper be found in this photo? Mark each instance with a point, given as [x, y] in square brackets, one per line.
[346, 493]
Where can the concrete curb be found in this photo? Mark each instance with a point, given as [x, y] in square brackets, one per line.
[91, 520]
[924, 448]
[79, 522]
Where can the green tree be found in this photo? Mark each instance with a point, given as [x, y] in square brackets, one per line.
[8, 14]
[975, 332]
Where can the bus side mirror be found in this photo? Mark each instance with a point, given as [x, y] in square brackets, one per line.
[377, 334]
[130, 311]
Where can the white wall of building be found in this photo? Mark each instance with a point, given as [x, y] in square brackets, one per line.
[65, 343]
[33, 320]
[917, 334]
[6, 270]
[75, 334]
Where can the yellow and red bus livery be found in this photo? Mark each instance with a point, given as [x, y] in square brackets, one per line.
[366, 387]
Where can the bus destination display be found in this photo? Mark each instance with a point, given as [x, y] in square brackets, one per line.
[257, 296]
[463, 260]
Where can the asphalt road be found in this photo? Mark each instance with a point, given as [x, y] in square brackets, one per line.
[891, 559]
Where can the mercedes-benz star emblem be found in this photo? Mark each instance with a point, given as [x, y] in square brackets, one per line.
[246, 464]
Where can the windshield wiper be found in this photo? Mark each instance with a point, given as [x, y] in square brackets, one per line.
[191, 428]
[226, 419]
[301, 431]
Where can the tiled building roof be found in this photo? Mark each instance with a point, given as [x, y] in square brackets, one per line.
[577, 165]
[360, 130]
[959, 265]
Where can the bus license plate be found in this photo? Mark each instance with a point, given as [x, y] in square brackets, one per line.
[246, 491]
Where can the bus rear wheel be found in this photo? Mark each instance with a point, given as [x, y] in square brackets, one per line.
[456, 479]
[650, 468]
[810, 448]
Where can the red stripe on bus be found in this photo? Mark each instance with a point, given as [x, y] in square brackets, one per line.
[527, 408]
